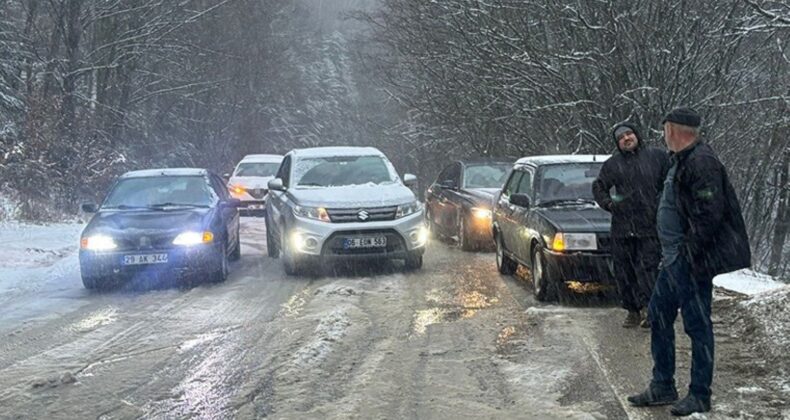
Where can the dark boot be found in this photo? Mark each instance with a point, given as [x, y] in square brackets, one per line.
[654, 395]
[690, 405]
[632, 320]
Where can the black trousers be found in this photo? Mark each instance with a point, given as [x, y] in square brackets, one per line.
[636, 262]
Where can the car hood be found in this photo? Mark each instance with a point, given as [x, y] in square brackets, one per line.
[131, 222]
[578, 218]
[482, 196]
[250, 182]
[353, 196]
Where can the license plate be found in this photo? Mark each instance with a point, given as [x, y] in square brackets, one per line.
[365, 242]
[138, 259]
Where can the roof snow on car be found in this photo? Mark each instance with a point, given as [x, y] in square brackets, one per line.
[165, 172]
[320, 152]
[262, 158]
[550, 159]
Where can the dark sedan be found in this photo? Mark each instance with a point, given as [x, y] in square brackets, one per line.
[459, 202]
[546, 219]
[162, 226]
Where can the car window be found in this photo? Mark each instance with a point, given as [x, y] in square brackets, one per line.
[567, 181]
[525, 184]
[339, 171]
[219, 188]
[485, 176]
[455, 173]
[284, 172]
[512, 183]
[159, 190]
[256, 169]
[444, 174]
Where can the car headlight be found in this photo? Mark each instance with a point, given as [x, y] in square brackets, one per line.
[408, 208]
[481, 213]
[237, 189]
[98, 243]
[193, 238]
[315, 213]
[574, 242]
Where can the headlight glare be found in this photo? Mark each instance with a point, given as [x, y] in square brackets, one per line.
[193, 238]
[481, 213]
[98, 243]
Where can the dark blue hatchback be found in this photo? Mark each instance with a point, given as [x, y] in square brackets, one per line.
[161, 226]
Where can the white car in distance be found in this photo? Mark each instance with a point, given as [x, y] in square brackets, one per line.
[249, 181]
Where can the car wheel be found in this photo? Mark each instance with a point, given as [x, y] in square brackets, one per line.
[413, 261]
[89, 283]
[543, 285]
[467, 244]
[271, 247]
[221, 272]
[236, 254]
[504, 264]
[290, 264]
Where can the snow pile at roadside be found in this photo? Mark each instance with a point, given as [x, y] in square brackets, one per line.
[771, 312]
[23, 245]
[747, 282]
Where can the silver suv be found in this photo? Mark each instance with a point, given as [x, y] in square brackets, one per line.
[331, 203]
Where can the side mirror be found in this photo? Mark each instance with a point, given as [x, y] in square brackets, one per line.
[226, 176]
[409, 180]
[521, 200]
[90, 208]
[276, 185]
[448, 184]
[232, 202]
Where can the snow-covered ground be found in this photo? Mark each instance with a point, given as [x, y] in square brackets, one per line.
[747, 282]
[28, 246]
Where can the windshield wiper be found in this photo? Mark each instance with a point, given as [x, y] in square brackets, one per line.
[171, 204]
[566, 201]
[310, 184]
[126, 207]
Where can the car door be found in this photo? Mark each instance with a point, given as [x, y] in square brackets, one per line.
[504, 210]
[453, 200]
[278, 200]
[521, 217]
[228, 214]
[433, 199]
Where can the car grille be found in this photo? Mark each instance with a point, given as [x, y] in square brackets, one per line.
[144, 242]
[257, 193]
[370, 214]
[334, 245]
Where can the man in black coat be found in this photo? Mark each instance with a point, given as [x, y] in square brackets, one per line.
[636, 173]
[702, 234]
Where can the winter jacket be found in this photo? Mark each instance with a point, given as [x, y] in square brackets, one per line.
[716, 238]
[638, 179]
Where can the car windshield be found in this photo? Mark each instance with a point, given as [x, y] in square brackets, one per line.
[341, 171]
[160, 191]
[257, 169]
[486, 176]
[568, 182]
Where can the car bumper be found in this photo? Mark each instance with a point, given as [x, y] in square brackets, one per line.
[182, 263]
[312, 238]
[579, 266]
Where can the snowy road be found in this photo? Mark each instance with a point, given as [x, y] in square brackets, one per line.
[451, 341]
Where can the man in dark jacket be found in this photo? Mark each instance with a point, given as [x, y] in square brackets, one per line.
[636, 172]
[702, 234]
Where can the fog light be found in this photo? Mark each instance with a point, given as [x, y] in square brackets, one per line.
[419, 236]
[311, 243]
[297, 241]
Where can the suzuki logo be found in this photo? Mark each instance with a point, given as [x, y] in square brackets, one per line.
[363, 215]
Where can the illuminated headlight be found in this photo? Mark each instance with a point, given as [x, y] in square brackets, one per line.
[408, 208]
[574, 242]
[193, 238]
[98, 243]
[481, 213]
[237, 189]
[315, 213]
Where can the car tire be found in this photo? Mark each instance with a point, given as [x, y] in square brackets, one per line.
[221, 272]
[272, 250]
[467, 244]
[236, 254]
[290, 265]
[90, 283]
[543, 286]
[504, 264]
[413, 261]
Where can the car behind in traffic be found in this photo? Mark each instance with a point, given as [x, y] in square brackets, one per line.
[545, 218]
[341, 203]
[249, 181]
[161, 226]
[460, 201]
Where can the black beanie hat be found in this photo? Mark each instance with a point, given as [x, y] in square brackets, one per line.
[629, 125]
[683, 116]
